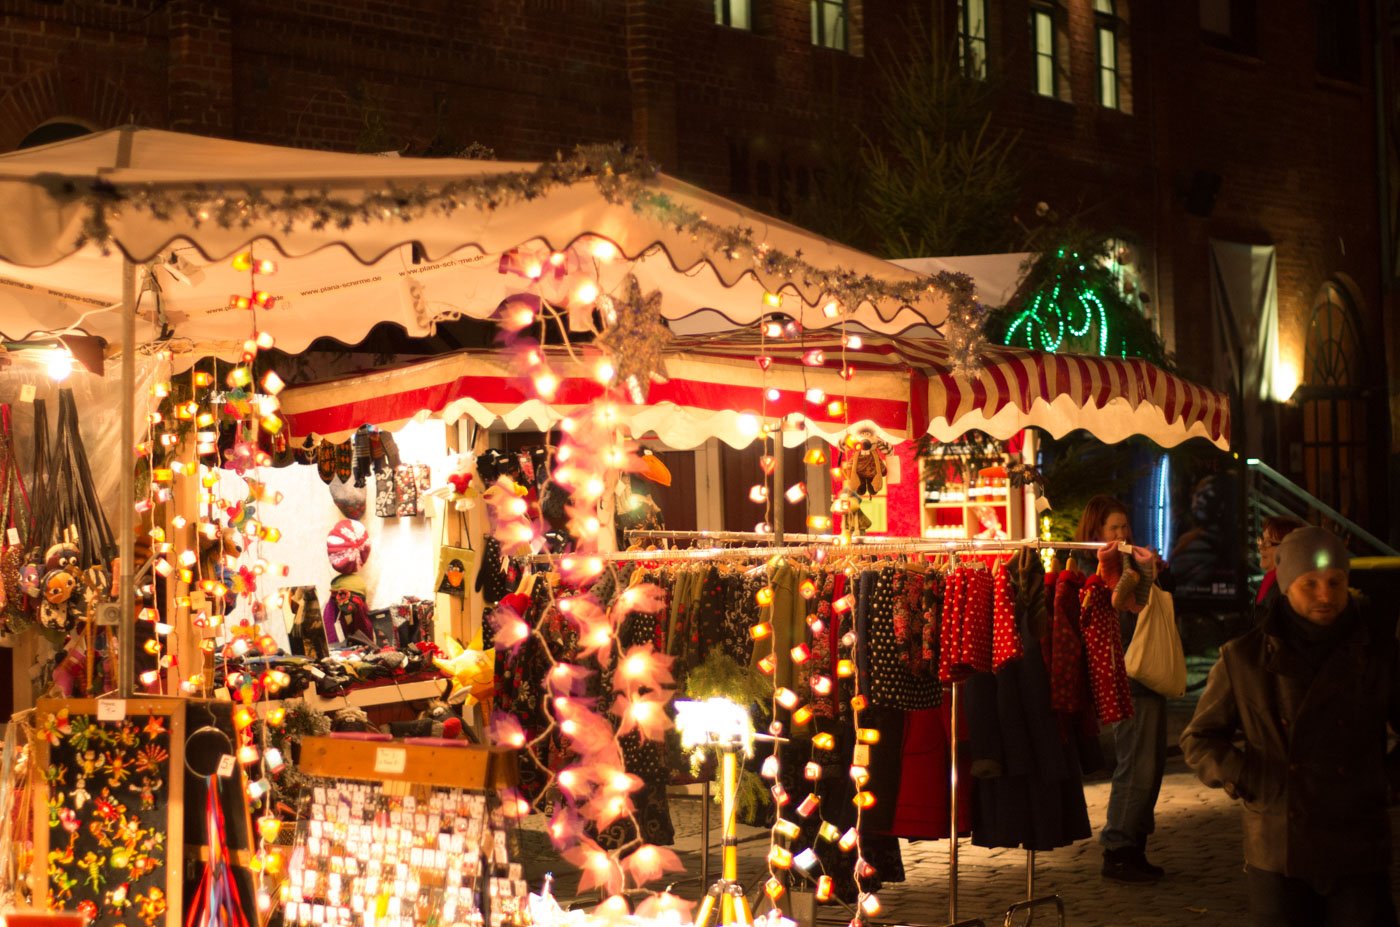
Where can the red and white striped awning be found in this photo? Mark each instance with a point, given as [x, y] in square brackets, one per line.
[717, 387]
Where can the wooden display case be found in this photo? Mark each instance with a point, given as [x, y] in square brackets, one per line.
[973, 502]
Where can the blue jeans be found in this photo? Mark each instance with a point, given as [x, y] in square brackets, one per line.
[1140, 744]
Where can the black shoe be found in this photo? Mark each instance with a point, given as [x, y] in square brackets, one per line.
[1124, 866]
[1141, 860]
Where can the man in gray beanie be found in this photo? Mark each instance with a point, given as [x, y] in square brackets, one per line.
[1311, 688]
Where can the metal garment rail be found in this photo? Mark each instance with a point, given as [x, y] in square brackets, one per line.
[881, 545]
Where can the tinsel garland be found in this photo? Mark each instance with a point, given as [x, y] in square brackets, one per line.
[621, 176]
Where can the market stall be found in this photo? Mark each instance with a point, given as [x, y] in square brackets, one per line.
[262, 246]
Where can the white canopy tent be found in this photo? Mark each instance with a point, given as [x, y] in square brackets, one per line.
[126, 235]
[414, 259]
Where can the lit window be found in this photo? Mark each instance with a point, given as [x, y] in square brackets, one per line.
[829, 24]
[733, 13]
[1043, 39]
[1106, 36]
[972, 38]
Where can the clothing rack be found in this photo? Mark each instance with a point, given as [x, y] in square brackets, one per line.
[877, 546]
[866, 545]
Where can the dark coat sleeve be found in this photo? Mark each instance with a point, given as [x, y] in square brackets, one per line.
[1208, 741]
[1392, 758]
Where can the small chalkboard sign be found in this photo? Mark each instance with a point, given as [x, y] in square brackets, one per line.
[109, 810]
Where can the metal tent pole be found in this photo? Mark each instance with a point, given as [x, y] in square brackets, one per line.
[126, 459]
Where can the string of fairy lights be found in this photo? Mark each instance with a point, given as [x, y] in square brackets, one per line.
[594, 789]
[185, 441]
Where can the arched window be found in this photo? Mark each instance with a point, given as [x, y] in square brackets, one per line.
[58, 130]
[1334, 410]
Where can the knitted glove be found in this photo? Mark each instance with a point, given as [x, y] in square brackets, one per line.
[1110, 564]
[1124, 597]
[1145, 564]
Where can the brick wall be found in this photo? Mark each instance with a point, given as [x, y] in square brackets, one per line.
[754, 112]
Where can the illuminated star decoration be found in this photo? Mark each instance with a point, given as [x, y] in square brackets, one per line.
[636, 338]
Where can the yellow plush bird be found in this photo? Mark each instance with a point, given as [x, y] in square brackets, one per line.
[472, 672]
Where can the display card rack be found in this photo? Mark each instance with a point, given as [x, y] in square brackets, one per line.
[403, 834]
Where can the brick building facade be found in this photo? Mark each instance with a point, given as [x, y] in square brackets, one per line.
[1232, 120]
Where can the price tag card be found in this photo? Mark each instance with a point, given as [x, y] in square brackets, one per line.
[12, 536]
[227, 764]
[1124, 547]
[26, 392]
[111, 709]
[390, 760]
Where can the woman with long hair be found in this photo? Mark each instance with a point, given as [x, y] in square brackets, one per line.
[1140, 742]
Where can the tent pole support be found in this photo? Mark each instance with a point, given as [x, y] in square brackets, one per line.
[126, 505]
[776, 493]
[126, 511]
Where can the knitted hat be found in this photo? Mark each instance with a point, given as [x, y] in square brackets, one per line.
[1308, 549]
[347, 546]
[350, 582]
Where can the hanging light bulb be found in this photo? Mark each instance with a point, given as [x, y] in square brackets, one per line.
[59, 364]
[796, 493]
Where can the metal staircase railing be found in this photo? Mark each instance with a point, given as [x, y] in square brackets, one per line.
[1269, 492]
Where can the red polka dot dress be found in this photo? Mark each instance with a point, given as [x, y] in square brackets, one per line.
[1103, 647]
[1006, 642]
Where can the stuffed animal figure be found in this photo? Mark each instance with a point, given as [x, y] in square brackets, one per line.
[864, 469]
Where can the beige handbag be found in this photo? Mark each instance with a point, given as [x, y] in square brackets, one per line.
[1155, 657]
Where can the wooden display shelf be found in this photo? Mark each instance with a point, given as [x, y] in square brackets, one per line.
[465, 767]
[941, 514]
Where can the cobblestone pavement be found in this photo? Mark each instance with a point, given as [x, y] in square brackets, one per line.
[1198, 842]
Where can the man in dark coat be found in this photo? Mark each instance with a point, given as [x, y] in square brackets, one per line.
[1311, 689]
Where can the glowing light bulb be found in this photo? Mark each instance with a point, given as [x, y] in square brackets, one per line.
[546, 384]
[586, 292]
[831, 309]
[59, 364]
[603, 250]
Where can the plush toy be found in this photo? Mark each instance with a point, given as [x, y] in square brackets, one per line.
[62, 597]
[864, 468]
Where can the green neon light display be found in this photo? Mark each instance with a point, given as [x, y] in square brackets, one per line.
[1070, 302]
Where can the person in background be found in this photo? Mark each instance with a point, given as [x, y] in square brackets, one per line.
[1140, 742]
[1273, 531]
[1311, 689]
